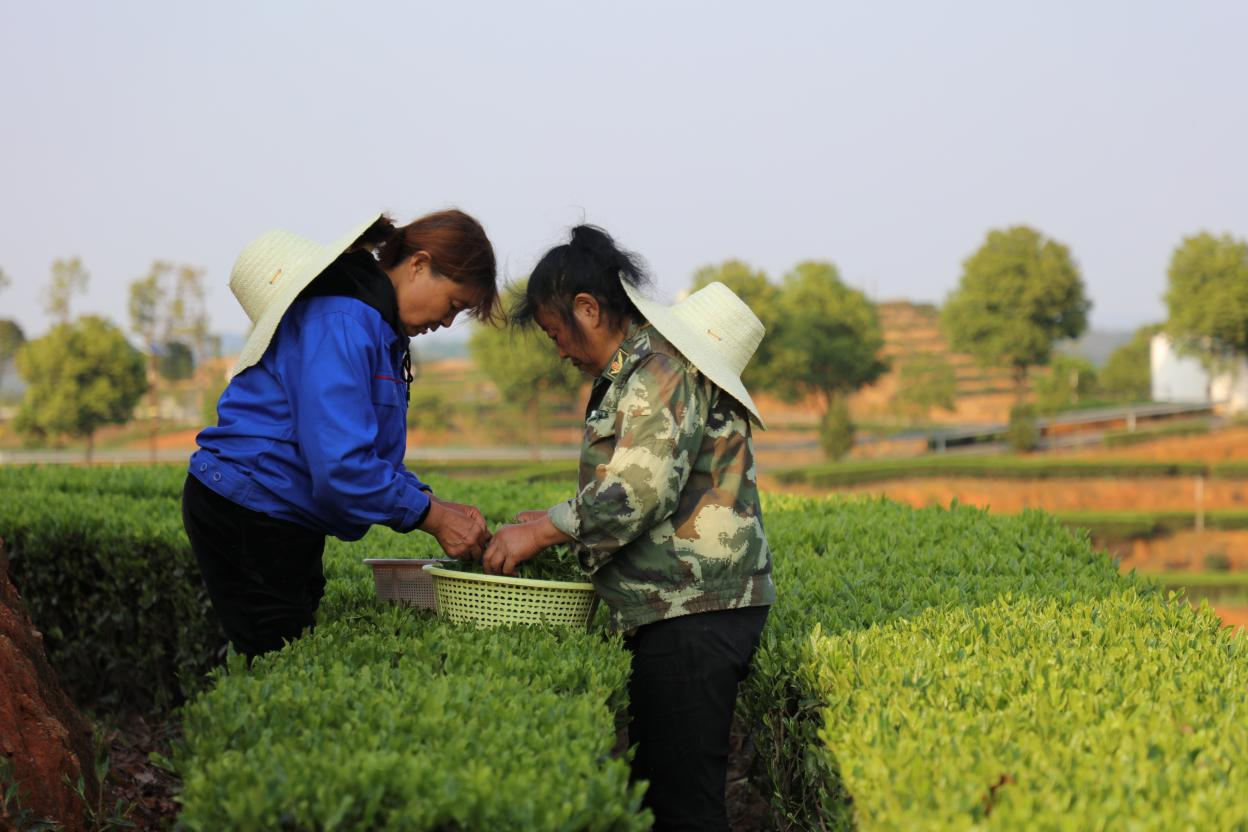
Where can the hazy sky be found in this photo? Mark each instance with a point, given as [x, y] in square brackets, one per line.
[886, 137]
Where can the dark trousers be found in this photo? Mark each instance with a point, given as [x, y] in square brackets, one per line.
[682, 695]
[264, 576]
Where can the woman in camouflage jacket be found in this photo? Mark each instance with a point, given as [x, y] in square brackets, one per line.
[667, 520]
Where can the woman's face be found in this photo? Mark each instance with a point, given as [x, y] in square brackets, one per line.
[428, 301]
[597, 342]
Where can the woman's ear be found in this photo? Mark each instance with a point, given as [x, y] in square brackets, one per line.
[585, 308]
[419, 262]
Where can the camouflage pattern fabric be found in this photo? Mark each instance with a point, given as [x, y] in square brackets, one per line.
[667, 517]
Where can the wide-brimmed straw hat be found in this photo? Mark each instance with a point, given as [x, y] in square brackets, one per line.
[271, 272]
[715, 330]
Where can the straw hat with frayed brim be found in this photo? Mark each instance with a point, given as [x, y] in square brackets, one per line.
[714, 330]
[271, 272]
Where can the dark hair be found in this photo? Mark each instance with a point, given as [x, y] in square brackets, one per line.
[457, 246]
[591, 262]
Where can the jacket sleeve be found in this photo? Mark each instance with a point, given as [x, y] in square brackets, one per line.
[336, 428]
[659, 423]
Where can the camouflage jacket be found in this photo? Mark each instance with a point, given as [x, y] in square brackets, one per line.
[667, 518]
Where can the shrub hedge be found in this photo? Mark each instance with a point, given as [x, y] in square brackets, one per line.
[846, 567]
[386, 719]
[985, 467]
[1141, 525]
[1122, 438]
[111, 582]
[1028, 713]
[936, 668]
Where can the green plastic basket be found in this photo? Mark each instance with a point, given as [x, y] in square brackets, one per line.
[491, 600]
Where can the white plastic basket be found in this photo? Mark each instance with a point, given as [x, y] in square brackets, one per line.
[404, 580]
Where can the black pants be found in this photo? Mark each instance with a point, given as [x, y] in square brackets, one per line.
[264, 576]
[681, 699]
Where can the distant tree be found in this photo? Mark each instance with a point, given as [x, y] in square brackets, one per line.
[837, 429]
[177, 362]
[826, 342]
[1127, 374]
[1071, 379]
[1019, 294]
[79, 377]
[1208, 298]
[11, 335]
[69, 278]
[11, 340]
[1023, 432]
[761, 295]
[169, 313]
[926, 381]
[525, 367]
[428, 409]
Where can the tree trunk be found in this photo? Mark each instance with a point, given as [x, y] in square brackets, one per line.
[1020, 385]
[153, 403]
[46, 744]
[535, 414]
[90, 447]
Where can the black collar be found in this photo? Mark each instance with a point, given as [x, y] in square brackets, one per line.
[357, 274]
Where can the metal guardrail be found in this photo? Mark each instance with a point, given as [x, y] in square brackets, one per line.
[1131, 414]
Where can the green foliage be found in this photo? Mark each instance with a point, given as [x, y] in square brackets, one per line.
[847, 474]
[1217, 562]
[388, 718]
[167, 306]
[1130, 525]
[1023, 432]
[926, 381]
[1122, 437]
[1128, 370]
[1207, 297]
[394, 720]
[1070, 380]
[522, 363]
[176, 362]
[761, 295]
[143, 482]
[69, 278]
[1026, 712]
[111, 583]
[79, 377]
[211, 397]
[11, 340]
[836, 430]
[852, 566]
[428, 409]
[828, 339]
[558, 563]
[1019, 294]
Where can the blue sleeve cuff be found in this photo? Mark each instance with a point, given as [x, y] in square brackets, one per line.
[416, 516]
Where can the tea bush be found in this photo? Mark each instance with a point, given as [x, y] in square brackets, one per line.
[1122, 713]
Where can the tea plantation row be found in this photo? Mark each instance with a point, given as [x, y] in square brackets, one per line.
[923, 669]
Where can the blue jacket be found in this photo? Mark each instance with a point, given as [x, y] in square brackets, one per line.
[316, 431]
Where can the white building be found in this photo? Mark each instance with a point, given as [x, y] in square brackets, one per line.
[1181, 378]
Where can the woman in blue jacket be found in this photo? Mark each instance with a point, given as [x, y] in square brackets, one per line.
[312, 429]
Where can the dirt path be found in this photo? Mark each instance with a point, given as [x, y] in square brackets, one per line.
[1058, 495]
[1234, 617]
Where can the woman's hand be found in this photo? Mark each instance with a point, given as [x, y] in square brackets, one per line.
[462, 508]
[513, 545]
[509, 548]
[460, 534]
